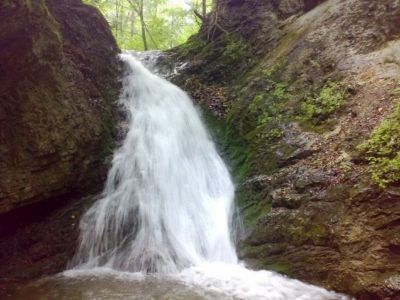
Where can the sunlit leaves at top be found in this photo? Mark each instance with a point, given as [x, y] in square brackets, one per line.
[167, 23]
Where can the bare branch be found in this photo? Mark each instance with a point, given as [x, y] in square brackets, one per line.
[197, 14]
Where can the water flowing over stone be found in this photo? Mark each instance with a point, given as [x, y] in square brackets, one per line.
[168, 200]
[166, 211]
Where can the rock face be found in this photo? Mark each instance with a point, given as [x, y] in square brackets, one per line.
[304, 83]
[58, 86]
[58, 81]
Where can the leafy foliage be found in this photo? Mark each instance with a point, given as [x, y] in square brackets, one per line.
[271, 105]
[382, 151]
[318, 108]
[234, 50]
[166, 23]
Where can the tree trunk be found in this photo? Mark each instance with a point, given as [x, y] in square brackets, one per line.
[143, 25]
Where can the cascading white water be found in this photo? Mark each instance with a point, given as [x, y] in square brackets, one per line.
[168, 199]
[168, 203]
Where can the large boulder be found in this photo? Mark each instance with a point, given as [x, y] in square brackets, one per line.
[58, 81]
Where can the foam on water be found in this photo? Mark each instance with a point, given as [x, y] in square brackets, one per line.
[238, 282]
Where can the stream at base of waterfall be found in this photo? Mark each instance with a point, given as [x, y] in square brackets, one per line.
[164, 226]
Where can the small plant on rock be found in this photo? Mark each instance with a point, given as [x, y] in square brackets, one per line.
[382, 151]
[318, 108]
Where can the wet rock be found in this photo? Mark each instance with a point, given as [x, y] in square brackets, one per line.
[39, 239]
[290, 155]
[284, 198]
[37, 252]
[310, 4]
[294, 145]
[393, 192]
[258, 183]
[310, 178]
[291, 7]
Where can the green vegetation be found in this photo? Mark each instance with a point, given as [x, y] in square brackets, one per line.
[234, 49]
[193, 46]
[255, 117]
[152, 24]
[382, 151]
[278, 267]
[221, 57]
[252, 206]
[108, 128]
[272, 106]
[233, 148]
[267, 104]
[319, 106]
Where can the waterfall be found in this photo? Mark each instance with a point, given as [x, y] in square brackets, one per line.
[168, 199]
[167, 206]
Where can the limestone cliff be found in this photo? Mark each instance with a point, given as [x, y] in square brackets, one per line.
[296, 89]
[58, 80]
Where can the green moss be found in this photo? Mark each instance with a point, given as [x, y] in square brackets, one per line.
[252, 206]
[287, 43]
[319, 234]
[396, 91]
[193, 46]
[273, 108]
[257, 114]
[13, 3]
[382, 151]
[235, 49]
[224, 51]
[47, 43]
[238, 153]
[278, 267]
[28, 3]
[271, 73]
[319, 106]
[273, 134]
[269, 107]
[233, 148]
[107, 137]
[267, 97]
